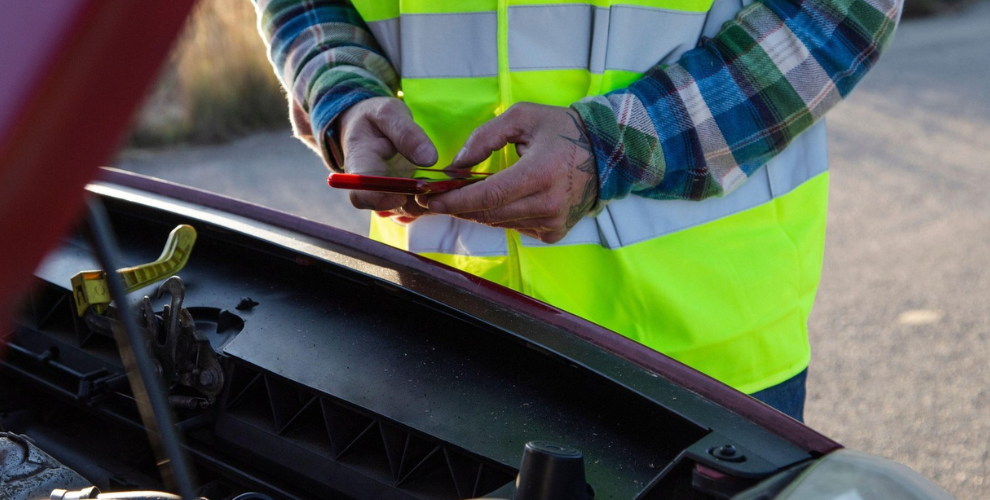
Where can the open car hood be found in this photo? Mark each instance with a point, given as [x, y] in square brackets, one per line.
[357, 367]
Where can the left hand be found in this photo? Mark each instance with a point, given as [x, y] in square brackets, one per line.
[552, 186]
[379, 134]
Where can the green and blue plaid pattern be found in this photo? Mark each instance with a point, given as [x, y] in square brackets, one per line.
[700, 127]
[691, 130]
[326, 58]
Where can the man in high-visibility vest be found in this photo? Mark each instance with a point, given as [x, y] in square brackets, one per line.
[668, 178]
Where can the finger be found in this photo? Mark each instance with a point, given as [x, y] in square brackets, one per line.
[409, 210]
[538, 206]
[553, 236]
[524, 178]
[540, 224]
[423, 200]
[373, 200]
[364, 145]
[395, 121]
[544, 236]
[401, 219]
[368, 154]
[529, 232]
[493, 135]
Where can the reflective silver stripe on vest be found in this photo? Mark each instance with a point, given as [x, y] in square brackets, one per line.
[639, 38]
[541, 37]
[623, 37]
[720, 12]
[387, 34]
[635, 219]
[555, 37]
[443, 234]
[448, 45]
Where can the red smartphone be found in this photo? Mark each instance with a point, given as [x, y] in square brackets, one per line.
[412, 181]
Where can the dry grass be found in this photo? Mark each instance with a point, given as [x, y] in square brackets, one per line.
[218, 83]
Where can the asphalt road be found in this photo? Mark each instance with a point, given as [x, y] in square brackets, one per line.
[901, 328]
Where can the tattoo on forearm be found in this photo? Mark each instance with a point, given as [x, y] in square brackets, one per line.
[584, 162]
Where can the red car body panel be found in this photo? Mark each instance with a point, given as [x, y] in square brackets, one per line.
[74, 72]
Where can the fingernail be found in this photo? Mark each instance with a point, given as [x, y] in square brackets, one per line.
[425, 155]
[436, 206]
[423, 200]
[459, 154]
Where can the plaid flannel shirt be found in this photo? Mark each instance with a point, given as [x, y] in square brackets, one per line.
[691, 130]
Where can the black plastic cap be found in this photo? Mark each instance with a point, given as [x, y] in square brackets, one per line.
[551, 472]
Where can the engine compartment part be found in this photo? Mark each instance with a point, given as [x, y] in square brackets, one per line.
[91, 290]
[145, 383]
[28, 473]
[550, 471]
[94, 492]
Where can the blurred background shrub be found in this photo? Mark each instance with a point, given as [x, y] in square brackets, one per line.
[218, 83]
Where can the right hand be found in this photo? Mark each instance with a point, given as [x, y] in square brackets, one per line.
[378, 134]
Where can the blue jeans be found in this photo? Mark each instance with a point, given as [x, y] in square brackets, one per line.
[787, 396]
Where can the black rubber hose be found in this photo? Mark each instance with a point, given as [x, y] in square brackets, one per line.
[153, 406]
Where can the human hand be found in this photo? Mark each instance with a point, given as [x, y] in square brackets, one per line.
[379, 134]
[552, 186]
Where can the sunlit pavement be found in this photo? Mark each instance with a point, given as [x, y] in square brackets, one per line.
[270, 168]
[901, 329]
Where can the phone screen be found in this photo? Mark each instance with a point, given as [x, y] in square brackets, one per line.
[407, 181]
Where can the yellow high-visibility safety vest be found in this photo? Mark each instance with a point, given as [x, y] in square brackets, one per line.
[723, 285]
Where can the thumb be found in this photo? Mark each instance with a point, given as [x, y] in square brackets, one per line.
[395, 122]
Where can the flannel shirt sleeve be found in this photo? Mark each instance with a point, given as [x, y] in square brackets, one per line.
[701, 126]
[326, 59]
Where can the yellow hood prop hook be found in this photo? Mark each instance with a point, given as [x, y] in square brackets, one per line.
[89, 288]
